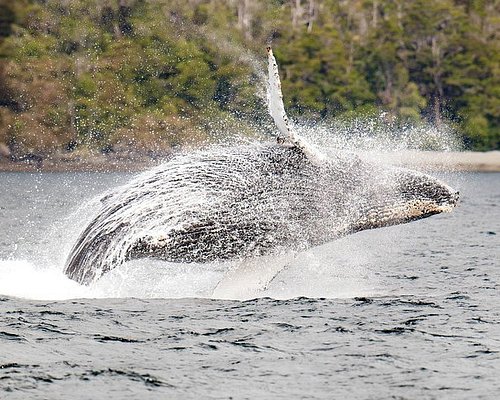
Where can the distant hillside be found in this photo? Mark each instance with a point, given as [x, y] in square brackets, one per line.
[89, 75]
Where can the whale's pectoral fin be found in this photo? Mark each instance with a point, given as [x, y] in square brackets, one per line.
[277, 110]
[251, 277]
[275, 100]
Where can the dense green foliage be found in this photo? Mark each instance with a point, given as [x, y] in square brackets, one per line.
[89, 74]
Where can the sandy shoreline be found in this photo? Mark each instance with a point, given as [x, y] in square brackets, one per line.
[442, 161]
[428, 160]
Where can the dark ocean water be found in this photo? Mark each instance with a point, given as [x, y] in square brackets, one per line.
[404, 312]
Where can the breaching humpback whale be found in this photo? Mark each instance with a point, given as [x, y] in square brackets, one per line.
[247, 201]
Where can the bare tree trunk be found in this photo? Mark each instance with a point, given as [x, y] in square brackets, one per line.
[78, 67]
[363, 25]
[297, 12]
[312, 16]
[116, 23]
[436, 75]
[351, 57]
[72, 120]
[437, 111]
[399, 14]
[116, 29]
[375, 13]
[244, 18]
[388, 87]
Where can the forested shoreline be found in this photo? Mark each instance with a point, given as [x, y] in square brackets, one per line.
[87, 76]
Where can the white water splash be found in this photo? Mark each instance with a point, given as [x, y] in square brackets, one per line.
[378, 134]
[21, 278]
[321, 272]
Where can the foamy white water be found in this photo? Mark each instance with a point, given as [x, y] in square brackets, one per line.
[311, 274]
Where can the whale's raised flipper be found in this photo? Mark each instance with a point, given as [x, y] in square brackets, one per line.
[275, 99]
[277, 110]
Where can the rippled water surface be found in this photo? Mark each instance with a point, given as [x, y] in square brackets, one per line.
[403, 312]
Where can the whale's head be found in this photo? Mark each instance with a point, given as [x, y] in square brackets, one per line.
[424, 195]
[406, 196]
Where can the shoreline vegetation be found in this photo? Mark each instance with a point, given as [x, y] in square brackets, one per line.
[102, 82]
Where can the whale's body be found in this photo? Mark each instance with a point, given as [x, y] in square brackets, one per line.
[247, 201]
